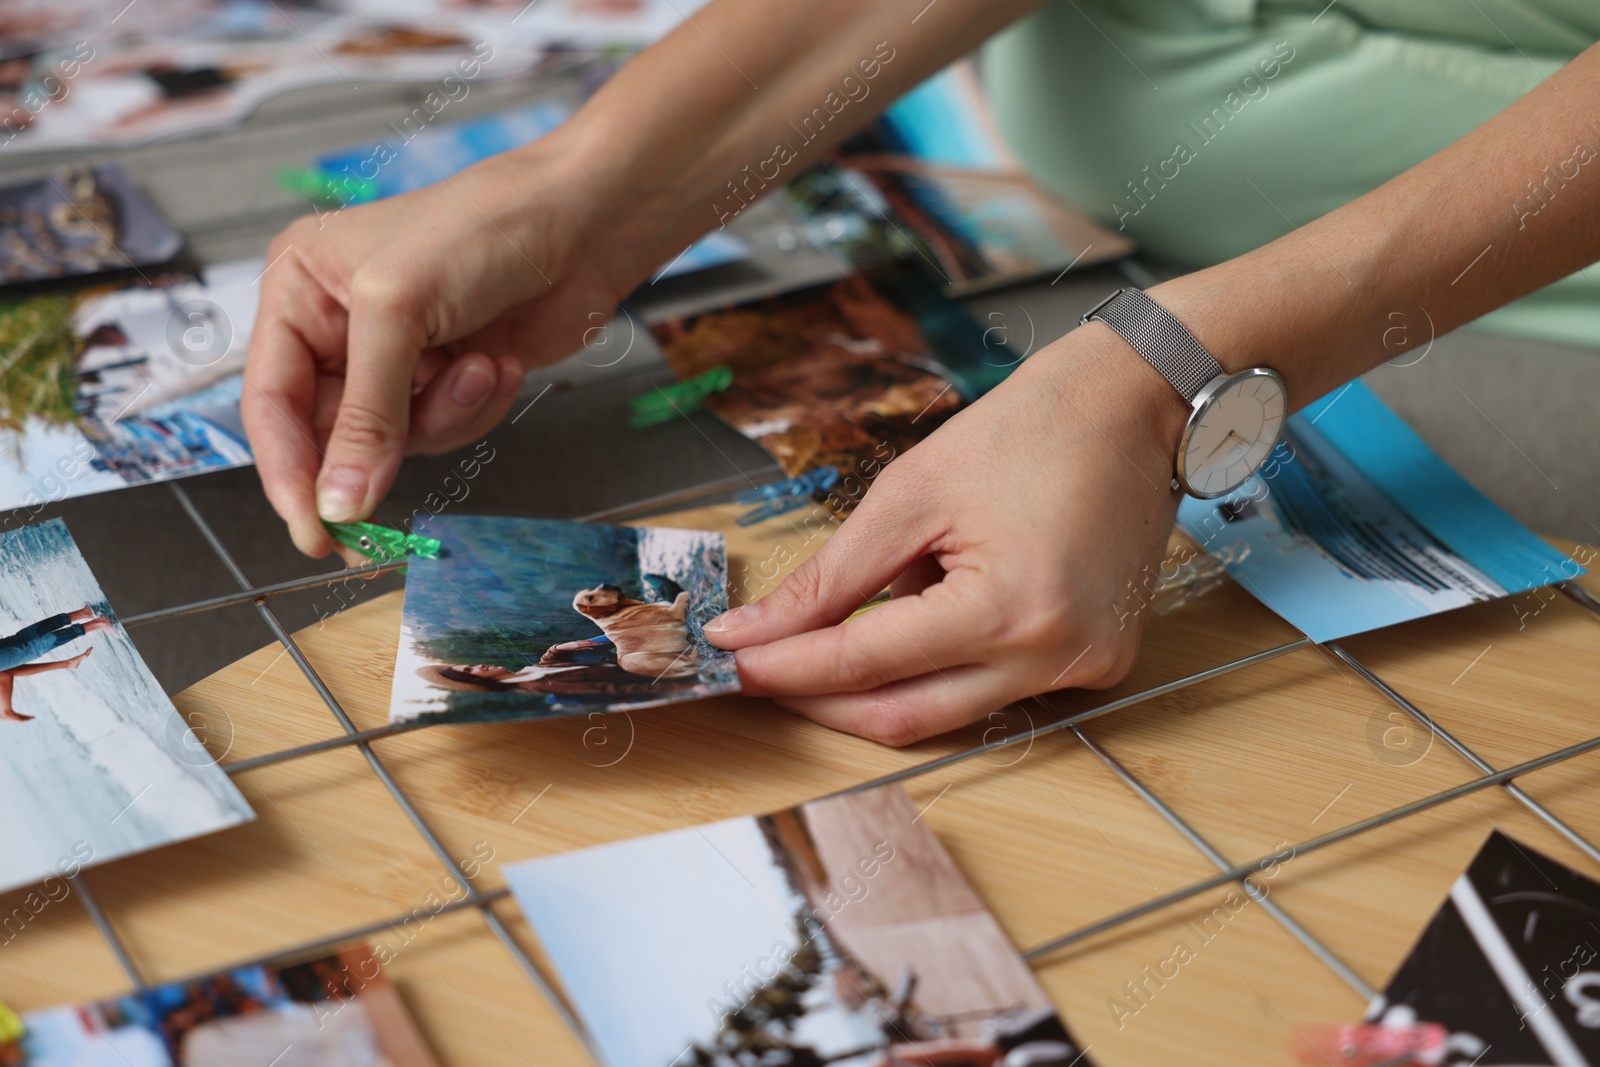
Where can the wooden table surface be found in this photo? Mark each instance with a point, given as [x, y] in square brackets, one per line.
[1050, 837]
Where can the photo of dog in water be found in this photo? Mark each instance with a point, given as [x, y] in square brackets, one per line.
[533, 618]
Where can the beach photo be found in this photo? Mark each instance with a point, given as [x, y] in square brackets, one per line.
[535, 618]
[837, 932]
[1355, 524]
[334, 1011]
[95, 762]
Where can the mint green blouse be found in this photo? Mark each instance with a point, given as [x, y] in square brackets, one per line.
[1205, 128]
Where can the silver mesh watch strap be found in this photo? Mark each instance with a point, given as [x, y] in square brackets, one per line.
[1161, 339]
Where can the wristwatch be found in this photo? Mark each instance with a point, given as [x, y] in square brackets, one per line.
[1234, 419]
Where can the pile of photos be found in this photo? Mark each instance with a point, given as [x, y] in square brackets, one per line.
[125, 368]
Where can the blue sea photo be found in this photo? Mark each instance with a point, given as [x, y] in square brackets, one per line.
[1356, 524]
[535, 618]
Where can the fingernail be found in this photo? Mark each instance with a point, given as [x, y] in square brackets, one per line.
[341, 494]
[473, 384]
[736, 619]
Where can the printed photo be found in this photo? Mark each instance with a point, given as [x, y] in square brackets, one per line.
[985, 229]
[839, 375]
[86, 73]
[947, 121]
[95, 762]
[599, 24]
[78, 221]
[91, 76]
[118, 386]
[411, 158]
[1354, 524]
[534, 618]
[335, 1011]
[970, 229]
[1509, 967]
[838, 932]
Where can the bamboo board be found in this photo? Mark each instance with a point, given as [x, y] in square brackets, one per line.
[1048, 835]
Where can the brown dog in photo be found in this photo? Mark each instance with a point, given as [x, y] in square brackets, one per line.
[651, 639]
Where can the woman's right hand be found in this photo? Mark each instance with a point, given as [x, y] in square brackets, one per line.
[406, 325]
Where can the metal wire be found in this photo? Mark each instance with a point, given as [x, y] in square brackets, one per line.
[1581, 595]
[655, 504]
[98, 916]
[389, 730]
[345, 937]
[1250, 886]
[1243, 870]
[359, 737]
[1577, 839]
[258, 593]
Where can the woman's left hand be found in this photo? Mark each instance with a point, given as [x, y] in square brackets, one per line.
[1014, 539]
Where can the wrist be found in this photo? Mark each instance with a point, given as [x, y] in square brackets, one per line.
[562, 198]
[1095, 376]
[1313, 327]
[565, 171]
[1232, 416]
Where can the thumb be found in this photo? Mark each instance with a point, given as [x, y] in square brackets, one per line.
[370, 428]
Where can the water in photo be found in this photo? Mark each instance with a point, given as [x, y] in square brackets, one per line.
[534, 618]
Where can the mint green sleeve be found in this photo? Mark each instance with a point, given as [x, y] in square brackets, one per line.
[1206, 128]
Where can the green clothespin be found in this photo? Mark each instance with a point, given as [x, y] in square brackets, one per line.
[382, 543]
[666, 401]
[11, 1028]
[315, 185]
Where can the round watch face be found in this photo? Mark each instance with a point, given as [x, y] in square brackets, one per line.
[1234, 426]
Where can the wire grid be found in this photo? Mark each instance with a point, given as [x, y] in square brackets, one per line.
[1228, 872]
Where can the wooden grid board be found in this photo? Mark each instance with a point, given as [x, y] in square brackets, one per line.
[1254, 762]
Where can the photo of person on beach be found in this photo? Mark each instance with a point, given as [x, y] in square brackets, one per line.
[95, 762]
[20, 653]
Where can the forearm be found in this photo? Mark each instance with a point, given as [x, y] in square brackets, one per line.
[1507, 209]
[747, 95]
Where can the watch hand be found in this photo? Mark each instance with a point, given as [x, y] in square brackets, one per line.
[1224, 441]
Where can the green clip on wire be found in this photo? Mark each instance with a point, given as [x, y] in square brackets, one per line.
[11, 1028]
[679, 398]
[316, 185]
[382, 543]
